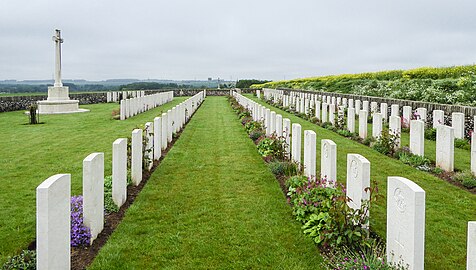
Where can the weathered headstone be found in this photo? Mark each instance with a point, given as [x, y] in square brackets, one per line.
[438, 118]
[93, 193]
[384, 111]
[324, 113]
[365, 105]
[272, 122]
[332, 114]
[296, 143]
[164, 131]
[318, 110]
[351, 119]
[405, 223]
[363, 115]
[395, 128]
[157, 138]
[329, 162]
[358, 179]
[309, 153]
[471, 246]
[119, 171]
[395, 110]
[457, 122]
[417, 137]
[136, 159]
[286, 134]
[421, 112]
[149, 144]
[267, 121]
[445, 147]
[279, 125]
[377, 125]
[53, 213]
[407, 116]
[373, 107]
[357, 106]
[170, 125]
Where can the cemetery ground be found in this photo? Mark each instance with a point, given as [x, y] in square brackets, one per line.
[211, 204]
[448, 208]
[32, 153]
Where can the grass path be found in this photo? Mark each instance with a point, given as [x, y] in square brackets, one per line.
[31, 153]
[448, 208]
[211, 204]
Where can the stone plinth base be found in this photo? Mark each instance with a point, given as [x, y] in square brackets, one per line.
[59, 107]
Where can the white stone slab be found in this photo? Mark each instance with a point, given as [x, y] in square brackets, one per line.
[473, 153]
[445, 140]
[149, 141]
[119, 171]
[358, 179]
[384, 110]
[267, 121]
[363, 115]
[164, 131]
[438, 118]
[318, 110]
[329, 162]
[421, 114]
[296, 143]
[351, 119]
[377, 125]
[272, 122]
[407, 116]
[365, 105]
[373, 107]
[457, 122]
[53, 214]
[395, 127]
[405, 223]
[309, 153]
[395, 110]
[471, 246]
[287, 135]
[279, 125]
[324, 112]
[136, 162]
[157, 138]
[357, 104]
[93, 193]
[417, 137]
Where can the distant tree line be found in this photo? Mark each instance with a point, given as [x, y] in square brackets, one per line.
[29, 88]
[248, 83]
[151, 85]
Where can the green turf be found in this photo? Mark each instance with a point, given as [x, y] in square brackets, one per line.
[211, 204]
[448, 208]
[31, 153]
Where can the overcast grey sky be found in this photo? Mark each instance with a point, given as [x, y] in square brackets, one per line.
[178, 39]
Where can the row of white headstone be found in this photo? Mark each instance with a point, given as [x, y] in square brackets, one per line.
[115, 96]
[325, 112]
[405, 199]
[133, 106]
[53, 195]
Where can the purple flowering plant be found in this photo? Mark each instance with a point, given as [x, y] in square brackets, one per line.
[80, 234]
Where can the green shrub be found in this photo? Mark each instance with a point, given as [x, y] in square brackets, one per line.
[327, 125]
[344, 132]
[430, 134]
[325, 215]
[462, 144]
[256, 134]
[26, 260]
[413, 160]
[253, 125]
[109, 205]
[386, 143]
[286, 168]
[367, 141]
[466, 178]
[272, 147]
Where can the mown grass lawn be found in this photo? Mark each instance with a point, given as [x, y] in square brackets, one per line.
[211, 204]
[448, 208]
[31, 153]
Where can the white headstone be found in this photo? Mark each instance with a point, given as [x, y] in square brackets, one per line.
[384, 110]
[405, 223]
[373, 107]
[395, 110]
[119, 171]
[296, 143]
[471, 246]
[170, 125]
[272, 122]
[324, 113]
[357, 106]
[267, 121]
[417, 137]
[438, 118]
[279, 125]
[365, 105]
[363, 115]
[136, 159]
[351, 119]
[157, 138]
[286, 134]
[351, 103]
[377, 125]
[422, 114]
[309, 153]
[395, 127]
[407, 116]
[164, 132]
[318, 110]
[93, 193]
[53, 227]
[329, 162]
[332, 114]
[457, 122]
[445, 140]
[358, 180]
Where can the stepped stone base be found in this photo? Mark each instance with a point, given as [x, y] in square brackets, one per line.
[58, 102]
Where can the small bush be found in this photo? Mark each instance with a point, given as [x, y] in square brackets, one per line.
[367, 141]
[109, 205]
[386, 143]
[327, 125]
[26, 261]
[256, 134]
[272, 147]
[345, 133]
[430, 134]
[287, 168]
[466, 178]
[413, 160]
[462, 144]
[253, 125]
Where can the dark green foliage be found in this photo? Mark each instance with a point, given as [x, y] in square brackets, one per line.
[25, 261]
[327, 125]
[406, 157]
[248, 83]
[367, 141]
[284, 168]
[149, 86]
[430, 134]
[272, 147]
[463, 144]
[387, 143]
[345, 133]
[109, 205]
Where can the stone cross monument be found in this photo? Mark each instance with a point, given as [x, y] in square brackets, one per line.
[58, 95]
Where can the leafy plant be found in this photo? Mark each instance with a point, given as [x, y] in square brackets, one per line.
[466, 178]
[272, 147]
[386, 143]
[26, 261]
[80, 234]
[287, 168]
[344, 132]
[462, 144]
[430, 134]
[367, 141]
[413, 160]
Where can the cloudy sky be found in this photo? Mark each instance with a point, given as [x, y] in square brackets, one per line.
[266, 39]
